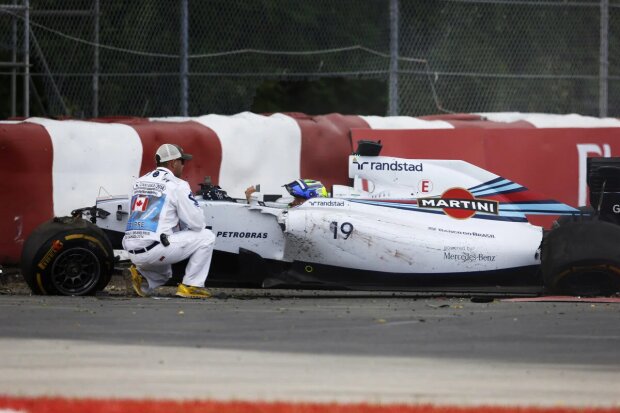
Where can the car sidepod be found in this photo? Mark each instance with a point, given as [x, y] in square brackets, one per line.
[385, 243]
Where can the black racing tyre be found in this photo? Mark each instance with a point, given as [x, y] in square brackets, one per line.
[67, 256]
[582, 258]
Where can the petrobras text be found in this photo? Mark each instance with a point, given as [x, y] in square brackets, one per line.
[234, 234]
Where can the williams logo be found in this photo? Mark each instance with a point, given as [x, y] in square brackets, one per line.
[460, 203]
[390, 166]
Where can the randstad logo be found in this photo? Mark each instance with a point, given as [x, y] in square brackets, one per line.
[391, 166]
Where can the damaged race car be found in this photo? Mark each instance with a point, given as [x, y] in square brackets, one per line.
[404, 225]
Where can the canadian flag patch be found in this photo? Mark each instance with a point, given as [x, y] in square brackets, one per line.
[140, 203]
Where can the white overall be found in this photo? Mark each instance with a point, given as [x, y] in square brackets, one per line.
[164, 204]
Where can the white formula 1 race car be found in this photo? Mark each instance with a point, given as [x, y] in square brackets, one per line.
[405, 224]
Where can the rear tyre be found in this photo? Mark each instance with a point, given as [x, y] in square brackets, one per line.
[67, 256]
[582, 258]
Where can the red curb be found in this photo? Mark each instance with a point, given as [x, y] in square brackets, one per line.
[65, 405]
[567, 299]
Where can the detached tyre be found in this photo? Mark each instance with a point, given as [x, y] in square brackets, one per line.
[582, 258]
[67, 256]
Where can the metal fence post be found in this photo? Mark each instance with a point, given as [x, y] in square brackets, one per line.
[604, 60]
[184, 58]
[96, 59]
[26, 58]
[14, 62]
[393, 80]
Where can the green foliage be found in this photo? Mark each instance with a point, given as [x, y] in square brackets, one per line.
[483, 56]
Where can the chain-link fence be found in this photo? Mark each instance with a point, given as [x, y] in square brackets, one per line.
[162, 58]
[507, 55]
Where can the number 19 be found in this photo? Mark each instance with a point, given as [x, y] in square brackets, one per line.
[346, 228]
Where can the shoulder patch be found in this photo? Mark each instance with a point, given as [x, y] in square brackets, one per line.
[191, 198]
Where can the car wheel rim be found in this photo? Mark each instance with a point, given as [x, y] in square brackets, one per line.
[75, 271]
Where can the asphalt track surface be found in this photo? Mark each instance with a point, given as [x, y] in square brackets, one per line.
[309, 346]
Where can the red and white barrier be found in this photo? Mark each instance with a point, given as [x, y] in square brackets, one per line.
[255, 149]
[51, 167]
[89, 158]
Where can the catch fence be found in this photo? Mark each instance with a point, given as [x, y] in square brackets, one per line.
[90, 58]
